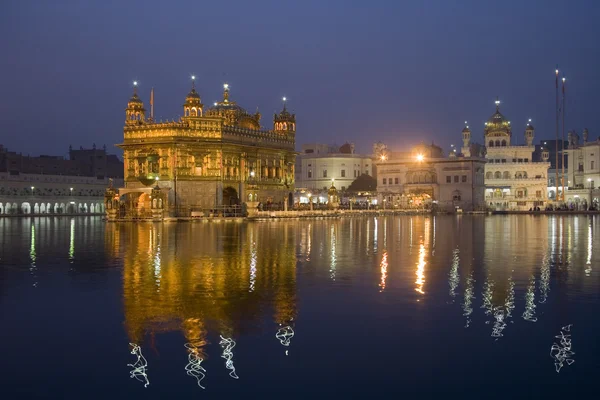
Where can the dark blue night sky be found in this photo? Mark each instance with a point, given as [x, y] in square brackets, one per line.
[395, 71]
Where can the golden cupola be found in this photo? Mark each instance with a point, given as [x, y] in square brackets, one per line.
[497, 130]
[233, 114]
[284, 122]
[135, 112]
[193, 105]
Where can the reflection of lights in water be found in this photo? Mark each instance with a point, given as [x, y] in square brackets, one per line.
[453, 277]
[384, 267]
[139, 366]
[385, 233]
[421, 270]
[545, 279]
[499, 323]
[433, 244]
[529, 313]
[488, 290]
[468, 299]
[375, 237]
[32, 256]
[157, 268]
[285, 335]
[588, 268]
[561, 351]
[228, 345]
[72, 241]
[410, 241]
[509, 303]
[194, 367]
[332, 268]
[252, 267]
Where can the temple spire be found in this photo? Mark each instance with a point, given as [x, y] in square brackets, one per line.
[497, 104]
[225, 93]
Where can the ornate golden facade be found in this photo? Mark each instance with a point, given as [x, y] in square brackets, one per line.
[210, 157]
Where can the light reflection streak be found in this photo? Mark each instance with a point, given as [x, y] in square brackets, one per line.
[384, 267]
[32, 256]
[139, 366]
[561, 352]
[529, 313]
[157, 266]
[588, 268]
[545, 279]
[488, 290]
[375, 237]
[421, 270]
[468, 299]
[194, 366]
[72, 241]
[285, 335]
[228, 345]
[253, 258]
[333, 266]
[453, 277]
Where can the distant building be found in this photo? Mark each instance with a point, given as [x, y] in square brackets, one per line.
[583, 178]
[55, 185]
[84, 162]
[513, 180]
[425, 178]
[318, 164]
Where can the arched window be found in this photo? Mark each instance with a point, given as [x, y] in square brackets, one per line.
[187, 112]
[491, 143]
[497, 175]
[504, 143]
[506, 175]
[489, 175]
[194, 112]
[497, 143]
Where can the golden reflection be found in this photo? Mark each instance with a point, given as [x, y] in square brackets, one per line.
[453, 277]
[421, 270]
[202, 271]
[333, 265]
[32, 256]
[384, 267]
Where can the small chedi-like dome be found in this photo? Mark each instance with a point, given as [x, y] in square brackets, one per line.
[135, 100]
[233, 114]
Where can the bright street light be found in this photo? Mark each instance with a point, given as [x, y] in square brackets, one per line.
[420, 157]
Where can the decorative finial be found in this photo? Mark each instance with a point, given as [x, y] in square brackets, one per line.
[193, 81]
[225, 92]
[497, 104]
[135, 84]
[284, 101]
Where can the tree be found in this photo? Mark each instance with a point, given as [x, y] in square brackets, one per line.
[364, 183]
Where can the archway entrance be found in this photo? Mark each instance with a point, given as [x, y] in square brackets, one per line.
[230, 197]
[290, 200]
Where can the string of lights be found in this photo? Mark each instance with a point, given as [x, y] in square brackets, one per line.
[139, 366]
[228, 345]
[194, 366]
[285, 335]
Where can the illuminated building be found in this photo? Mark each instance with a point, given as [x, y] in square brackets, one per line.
[423, 177]
[212, 156]
[513, 181]
[583, 177]
[318, 164]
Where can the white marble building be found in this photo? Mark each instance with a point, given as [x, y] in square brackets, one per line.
[512, 180]
[583, 176]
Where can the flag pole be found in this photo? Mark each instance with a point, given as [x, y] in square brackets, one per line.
[152, 104]
[563, 137]
[556, 197]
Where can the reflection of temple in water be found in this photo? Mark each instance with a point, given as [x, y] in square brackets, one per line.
[175, 279]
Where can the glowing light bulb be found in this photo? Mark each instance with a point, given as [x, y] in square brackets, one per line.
[564, 79]
[215, 103]
[226, 86]
[284, 98]
[135, 83]
[193, 77]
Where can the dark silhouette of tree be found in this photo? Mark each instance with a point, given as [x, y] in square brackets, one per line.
[364, 183]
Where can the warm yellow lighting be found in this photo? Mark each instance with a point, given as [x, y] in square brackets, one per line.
[156, 178]
[420, 157]
[384, 267]
[382, 157]
[421, 269]
[309, 195]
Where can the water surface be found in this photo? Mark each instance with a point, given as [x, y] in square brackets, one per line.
[418, 307]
